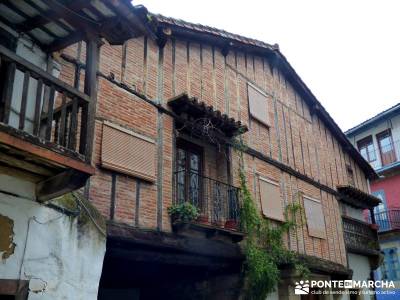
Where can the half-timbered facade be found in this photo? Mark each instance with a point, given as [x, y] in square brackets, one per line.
[167, 111]
[168, 101]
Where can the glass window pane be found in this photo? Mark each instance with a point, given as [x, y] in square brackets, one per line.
[386, 145]
[364, 153]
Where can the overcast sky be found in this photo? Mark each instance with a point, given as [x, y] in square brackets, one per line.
[346, 51]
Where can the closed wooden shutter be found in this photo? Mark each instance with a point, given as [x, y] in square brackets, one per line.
[258, 104]
[271, 202]
[315, 217]
[128, 152]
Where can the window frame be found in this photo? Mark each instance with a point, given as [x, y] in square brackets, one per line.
[267, 215]
[380, 136]
[365, 143]
[251, 115]
[310, 233]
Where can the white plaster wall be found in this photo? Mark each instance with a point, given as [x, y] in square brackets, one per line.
[361, 269]
[52, 251]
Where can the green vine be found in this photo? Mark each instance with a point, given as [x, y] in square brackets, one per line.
[264, 247]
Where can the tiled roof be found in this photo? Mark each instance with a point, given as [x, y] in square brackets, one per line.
[213, 31]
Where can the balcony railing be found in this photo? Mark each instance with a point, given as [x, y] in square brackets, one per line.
[35, 102]
[217, 202]
[360, 237]
[388, 220]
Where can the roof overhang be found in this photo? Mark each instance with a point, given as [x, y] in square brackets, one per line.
[56, 24]
[191, 110]
[356, 197]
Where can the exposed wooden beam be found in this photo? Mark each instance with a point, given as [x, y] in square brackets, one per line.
[56, 11]
[43, 13]
[60, 184]
[24, 165]
[62, 43]
[14, 8]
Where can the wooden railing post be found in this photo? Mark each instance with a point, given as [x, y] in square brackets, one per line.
[89, 111]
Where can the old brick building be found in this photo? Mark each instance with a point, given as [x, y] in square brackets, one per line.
[165, 101]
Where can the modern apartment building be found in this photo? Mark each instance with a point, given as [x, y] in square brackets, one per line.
[135, 113]
[378, 140]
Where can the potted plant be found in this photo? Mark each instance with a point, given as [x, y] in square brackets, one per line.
[203, 219]
[183, 212]
[374, 226]
[231, 224]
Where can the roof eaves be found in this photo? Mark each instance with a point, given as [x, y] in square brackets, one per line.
[378, 117]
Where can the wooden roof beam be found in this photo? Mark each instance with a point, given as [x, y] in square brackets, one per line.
[56, 12]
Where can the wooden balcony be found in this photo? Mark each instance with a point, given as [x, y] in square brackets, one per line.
[360, 237]
[44, 134]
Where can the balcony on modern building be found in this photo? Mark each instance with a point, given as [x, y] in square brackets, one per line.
[388, 220]
[360, 237]
[46, 124]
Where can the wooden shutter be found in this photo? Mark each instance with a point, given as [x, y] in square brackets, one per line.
[315, 217]
[128, 152]
[258, 104]
[271, 202]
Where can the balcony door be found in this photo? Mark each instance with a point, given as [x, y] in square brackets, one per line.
[386, 147]
[189, 162]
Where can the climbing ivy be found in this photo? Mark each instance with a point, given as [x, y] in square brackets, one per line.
[264, 246]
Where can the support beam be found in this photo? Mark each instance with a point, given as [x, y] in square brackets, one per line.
[92, 60]
[60, 184]
[55, 12]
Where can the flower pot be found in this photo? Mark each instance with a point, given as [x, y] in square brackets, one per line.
[231, 224]
[374, 226]
[202, 219]
[219, 223]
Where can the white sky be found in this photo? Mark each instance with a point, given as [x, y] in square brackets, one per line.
[346, 51]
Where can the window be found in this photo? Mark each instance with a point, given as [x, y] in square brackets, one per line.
[382, 216]
[258, 104]
[271, 202]
[350, 175]
[315, 217]
[128, 152]
[189, 173]
[366, 148]
[390, 268]
[386, 147]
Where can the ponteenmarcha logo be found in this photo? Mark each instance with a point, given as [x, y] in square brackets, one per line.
[302, 288]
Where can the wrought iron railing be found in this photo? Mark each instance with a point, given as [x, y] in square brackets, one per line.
[359, 236]
[388, 219]
[35, 102]
[217, 202]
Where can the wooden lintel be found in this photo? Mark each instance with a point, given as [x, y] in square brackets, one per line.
[60, 184]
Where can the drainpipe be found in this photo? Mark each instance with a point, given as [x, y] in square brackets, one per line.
[371, 210]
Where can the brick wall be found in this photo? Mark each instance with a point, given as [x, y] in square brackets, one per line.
[295, 137]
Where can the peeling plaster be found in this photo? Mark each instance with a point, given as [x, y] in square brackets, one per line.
[7, 246]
